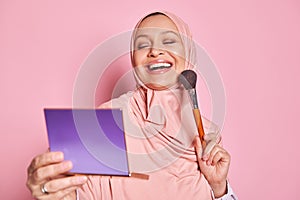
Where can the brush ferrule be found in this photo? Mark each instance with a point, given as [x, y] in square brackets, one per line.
[193, 97]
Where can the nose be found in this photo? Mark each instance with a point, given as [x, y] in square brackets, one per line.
[154, 52]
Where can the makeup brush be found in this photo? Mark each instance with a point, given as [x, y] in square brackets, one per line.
[188, 79]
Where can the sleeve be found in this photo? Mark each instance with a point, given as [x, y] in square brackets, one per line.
[229, 195]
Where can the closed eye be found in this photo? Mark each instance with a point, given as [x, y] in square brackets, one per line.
[143, 45]
[169, 41]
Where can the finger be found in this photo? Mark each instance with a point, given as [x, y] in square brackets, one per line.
[215, 155]
[45, 159]
[221, 156]
[208, 148]
[57, 185]
[209, 156]
[44, 173]
[56, 195]
[225, 156]
[211, 140]
[198, 147]
[63, 193]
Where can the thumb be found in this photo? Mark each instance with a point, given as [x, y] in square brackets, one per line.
[198, 147]
[210, 140]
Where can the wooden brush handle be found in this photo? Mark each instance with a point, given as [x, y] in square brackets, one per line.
[199, 124]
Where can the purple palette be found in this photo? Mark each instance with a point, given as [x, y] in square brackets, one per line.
[93, 139]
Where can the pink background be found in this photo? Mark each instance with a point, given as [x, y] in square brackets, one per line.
[254, 43]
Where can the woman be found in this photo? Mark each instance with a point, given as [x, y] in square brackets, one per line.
[161, 135]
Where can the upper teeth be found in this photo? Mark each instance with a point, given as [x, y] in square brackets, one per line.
[159, 65]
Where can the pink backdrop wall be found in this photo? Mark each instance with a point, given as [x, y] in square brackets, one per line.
[255, 45]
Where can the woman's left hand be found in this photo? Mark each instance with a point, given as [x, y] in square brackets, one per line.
[214, 163]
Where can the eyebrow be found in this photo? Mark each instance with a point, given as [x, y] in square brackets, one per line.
[162, 33]
[166, 32]
[139, 36]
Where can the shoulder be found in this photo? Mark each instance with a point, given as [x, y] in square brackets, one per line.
[119, 102]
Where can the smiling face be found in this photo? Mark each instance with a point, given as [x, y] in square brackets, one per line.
[158, 55]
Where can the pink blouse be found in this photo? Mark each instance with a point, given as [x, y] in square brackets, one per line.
[154, 149]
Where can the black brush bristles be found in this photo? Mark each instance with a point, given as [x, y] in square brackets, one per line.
[188, 79]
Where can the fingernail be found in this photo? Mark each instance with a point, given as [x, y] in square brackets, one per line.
[67, 165]
[59, 156]
[205, 157]
[82, 179]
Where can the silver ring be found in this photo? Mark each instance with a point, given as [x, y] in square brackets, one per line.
[44, 190]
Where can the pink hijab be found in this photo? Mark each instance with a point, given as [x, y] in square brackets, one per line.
[159, 124]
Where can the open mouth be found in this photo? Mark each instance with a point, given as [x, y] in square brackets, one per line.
[159, 66]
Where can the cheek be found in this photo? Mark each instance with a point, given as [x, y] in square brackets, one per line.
[180, 66]
[179, 55]
[180, 63]
[178, 50]
[138, 57]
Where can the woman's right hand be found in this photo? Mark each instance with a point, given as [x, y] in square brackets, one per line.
[47, 179]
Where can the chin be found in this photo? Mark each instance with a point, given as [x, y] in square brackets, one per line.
[162, 86]
[159, 81]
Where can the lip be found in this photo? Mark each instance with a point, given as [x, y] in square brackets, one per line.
[159, 70]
